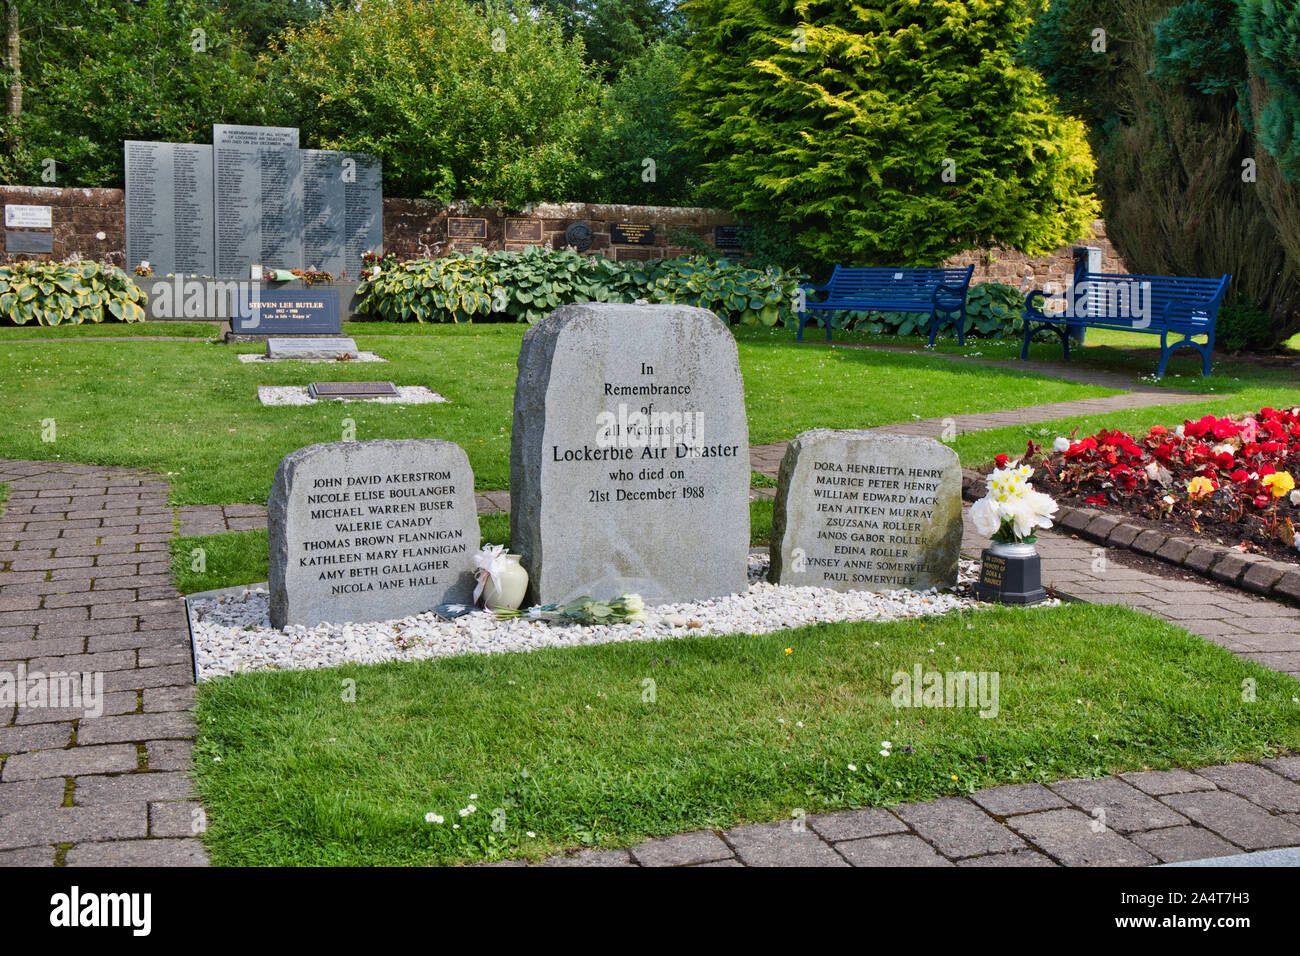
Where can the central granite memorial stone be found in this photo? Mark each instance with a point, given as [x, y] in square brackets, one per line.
[370, 531]
[629, 460]
[866, 511]
[257, 181]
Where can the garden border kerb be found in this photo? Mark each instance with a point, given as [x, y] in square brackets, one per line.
[1250, 572]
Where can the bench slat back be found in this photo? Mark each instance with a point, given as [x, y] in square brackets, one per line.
[911, 285]
[1127, 301]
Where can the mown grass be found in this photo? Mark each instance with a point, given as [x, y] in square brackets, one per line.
[189, 409]
[608, 745]
[111, 330]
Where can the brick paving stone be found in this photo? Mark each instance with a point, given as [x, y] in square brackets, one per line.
[702, 846]
[1019, 858]
[177, 818]
[898, 850]
[1175, 844]
[1257, 784]
[1016, 798]
[47, 793]
[958, 827]
[1288, 767]
[70, 762]
[1126, 808]
[1068, 836]
[855, 824]
[31, 856]
[137, 727]
[1161, 782]
[39, 826]
[1235, 819]
[138, 853]
[593, 858]
[139, 787]
[170, 754]
[780, 844]
[21, 739]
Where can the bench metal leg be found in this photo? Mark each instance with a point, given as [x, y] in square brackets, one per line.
[1032, 328]
[803, 320]
[1167, 350]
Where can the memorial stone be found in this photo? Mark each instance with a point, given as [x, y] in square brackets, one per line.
[258, 191]
[169, 208]
[629, 468]
[370, 531]
[342, 210]
[866, 511]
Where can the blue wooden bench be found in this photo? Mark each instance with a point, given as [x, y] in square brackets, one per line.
[940, 292]
[1159, 305]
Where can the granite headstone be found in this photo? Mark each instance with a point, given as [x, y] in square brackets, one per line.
[342, 210]
[370, 531]
[867, 511]
[169, 208]
[629, 460]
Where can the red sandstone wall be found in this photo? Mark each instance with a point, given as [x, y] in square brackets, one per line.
[416, 227]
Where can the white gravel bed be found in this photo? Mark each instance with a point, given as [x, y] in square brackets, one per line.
[297, 395]
[263, 357]
[233, 634]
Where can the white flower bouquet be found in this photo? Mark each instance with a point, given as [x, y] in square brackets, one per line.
[1011, 511]
[626, 608]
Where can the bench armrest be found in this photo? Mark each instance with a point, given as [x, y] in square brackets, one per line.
[1031, 308]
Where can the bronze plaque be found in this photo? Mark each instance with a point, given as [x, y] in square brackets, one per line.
[521, 246]
[626, 255]
[351, 390]
[463, 245]
[632, 233]
[466, 228]
[523, 230]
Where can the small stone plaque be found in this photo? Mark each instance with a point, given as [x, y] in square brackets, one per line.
[523, 230]
[370, 531]
[633, 255]
[29, 241]
[632, 234]
[864, 511]
[287, 312]
[466, 228]
[351, 390]
[29, 217]
[464, 245]
[629, 457]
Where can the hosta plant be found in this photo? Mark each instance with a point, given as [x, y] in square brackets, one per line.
[55, 293]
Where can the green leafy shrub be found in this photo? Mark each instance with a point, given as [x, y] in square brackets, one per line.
[54, 293]
[993, 310]
[526, 286]
[1243, 326]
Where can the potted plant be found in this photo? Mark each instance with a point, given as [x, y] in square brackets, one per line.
[1011, 513]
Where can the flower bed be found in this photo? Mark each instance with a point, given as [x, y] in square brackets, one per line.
[1231, 479]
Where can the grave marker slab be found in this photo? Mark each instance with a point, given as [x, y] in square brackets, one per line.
[629, 465]
[28, 241]
[865, 511]
[370, 531]
[351, 390]
[307, 348]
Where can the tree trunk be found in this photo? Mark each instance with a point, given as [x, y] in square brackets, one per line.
[13, 59]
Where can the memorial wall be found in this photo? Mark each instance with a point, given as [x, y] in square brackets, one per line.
[252, 198]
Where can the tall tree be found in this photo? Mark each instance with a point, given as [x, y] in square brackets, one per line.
[883, 132]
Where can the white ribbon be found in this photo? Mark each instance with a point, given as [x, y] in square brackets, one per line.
[491, 561]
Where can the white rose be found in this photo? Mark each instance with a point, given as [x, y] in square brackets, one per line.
[985, 516]
[1295, 497]
[1024, 518]
[1061, 444]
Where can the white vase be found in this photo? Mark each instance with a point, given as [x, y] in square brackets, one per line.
[514, 585]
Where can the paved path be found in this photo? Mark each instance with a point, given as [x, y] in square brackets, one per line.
[86, 587]
[1135, 819]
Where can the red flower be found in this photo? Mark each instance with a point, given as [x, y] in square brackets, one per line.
[1239, 476]
[1159, 430]
[1001, 461]
[1095, 500]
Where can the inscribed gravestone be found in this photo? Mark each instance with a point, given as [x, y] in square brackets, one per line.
[257, 173]
[342, 209]
[864, 511]
[169, 208]
[370, 531]
[629, 460]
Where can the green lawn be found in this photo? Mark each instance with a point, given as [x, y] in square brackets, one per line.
[188, 409]
[568, 745]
